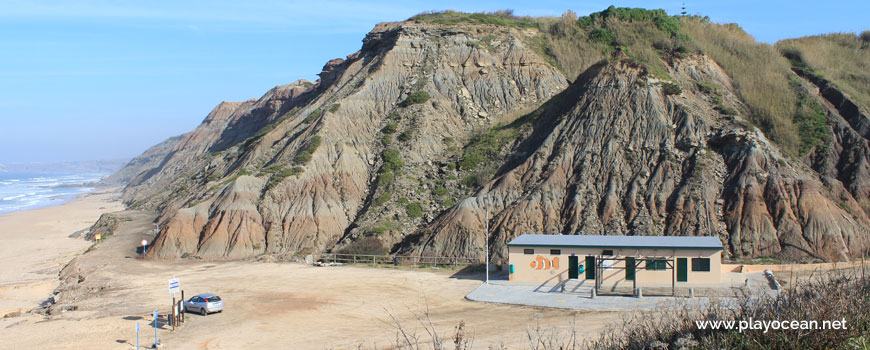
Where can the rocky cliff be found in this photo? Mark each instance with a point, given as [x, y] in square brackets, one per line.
[403, 145]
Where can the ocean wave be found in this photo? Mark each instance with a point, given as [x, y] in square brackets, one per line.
[11, 198]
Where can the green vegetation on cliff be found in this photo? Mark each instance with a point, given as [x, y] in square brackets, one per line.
[760, 74]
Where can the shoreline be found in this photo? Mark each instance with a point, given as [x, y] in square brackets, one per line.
[38, 242]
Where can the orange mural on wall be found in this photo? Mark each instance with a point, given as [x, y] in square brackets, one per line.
[541, 263]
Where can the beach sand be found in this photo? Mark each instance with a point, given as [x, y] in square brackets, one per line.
[36, 244]
[268, 304]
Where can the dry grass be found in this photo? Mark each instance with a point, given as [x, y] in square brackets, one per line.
[760, 75]
[843, 58]
[835, 296]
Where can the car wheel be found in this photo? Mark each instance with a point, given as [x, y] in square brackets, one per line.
[203, 312]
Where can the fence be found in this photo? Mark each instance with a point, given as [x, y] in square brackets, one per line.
[396, 259]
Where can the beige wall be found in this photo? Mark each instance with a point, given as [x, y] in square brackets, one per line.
[541, 266]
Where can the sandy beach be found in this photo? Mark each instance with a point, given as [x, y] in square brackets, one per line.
[268, 304]
[37, 244]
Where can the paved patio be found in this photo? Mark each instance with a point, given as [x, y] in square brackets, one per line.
[579, 297]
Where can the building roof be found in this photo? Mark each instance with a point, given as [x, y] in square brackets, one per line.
[630, 242]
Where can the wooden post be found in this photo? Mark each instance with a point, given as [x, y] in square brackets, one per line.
[171, 315]
[182, 308]
[634, 278]
[674, 275]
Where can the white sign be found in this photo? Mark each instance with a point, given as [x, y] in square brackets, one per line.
[174, 286]
[144, 242]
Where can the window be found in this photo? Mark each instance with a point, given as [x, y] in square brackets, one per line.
[607, 252]
[659, 264]
[701, 264]
[528, 251]
[555, 252]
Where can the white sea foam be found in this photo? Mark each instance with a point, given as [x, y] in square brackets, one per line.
[23, 192]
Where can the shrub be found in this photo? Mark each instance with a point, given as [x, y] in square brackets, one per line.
[282, 174]
[314, 115]
[812, 124]
[671, 89]
[726, 110]
[439, 191]
[406, 135]
[601, 35]
[403, 201]
[865, 36]
[382, 198]
[386, 178]
[392, 160]
[382, 227]
[386, 139]
[486, 145]
[500, 18]
[414, 209]
[447, 140]
[367, 246]
[448, 203]
[707, 88]
[469, 180]
[389, 128]
[416, 98]
[305, 156]
[334, 108]
[668, 24]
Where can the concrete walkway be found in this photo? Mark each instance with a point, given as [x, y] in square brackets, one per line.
[518, 294]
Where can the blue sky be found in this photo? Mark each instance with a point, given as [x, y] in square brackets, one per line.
[83, 80]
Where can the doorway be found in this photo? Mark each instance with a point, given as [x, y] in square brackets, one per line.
[682, 270]
[573, 267]
[590, 267]
[629, 269]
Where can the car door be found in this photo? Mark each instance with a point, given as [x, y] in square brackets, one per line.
[196, 303]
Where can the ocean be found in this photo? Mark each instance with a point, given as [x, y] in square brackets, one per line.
[29, 191]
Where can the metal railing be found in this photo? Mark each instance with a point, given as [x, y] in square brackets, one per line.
[411, 260]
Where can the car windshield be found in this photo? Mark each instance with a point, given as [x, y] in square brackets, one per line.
[214, 299]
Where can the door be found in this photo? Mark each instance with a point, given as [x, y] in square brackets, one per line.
[682, 270]
[629, 269]
[590, 267]
[573, 261]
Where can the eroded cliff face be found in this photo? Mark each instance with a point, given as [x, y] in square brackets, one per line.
[629, 159]
[323, 166]
[235, 199]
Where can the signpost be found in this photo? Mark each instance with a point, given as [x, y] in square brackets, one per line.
[97, 237]
[486, 247]
[144, 246]
[174, 287]
[155, 329]
[137, 335]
